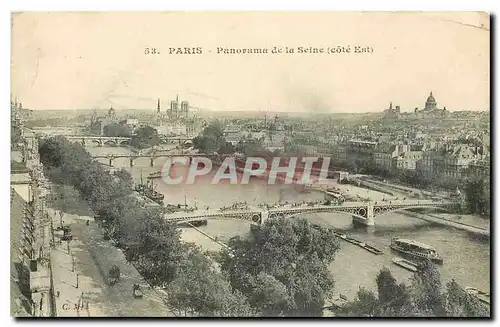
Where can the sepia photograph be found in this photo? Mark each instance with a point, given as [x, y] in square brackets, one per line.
[250, 165]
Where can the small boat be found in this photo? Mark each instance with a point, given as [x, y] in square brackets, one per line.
[157, 174]
[372, 249]
[406, 264]
[416, 249]
[482, 296]
[363, 245]
[141, 187]
[151, 193]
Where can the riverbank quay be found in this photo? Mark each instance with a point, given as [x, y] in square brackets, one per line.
[448, 222]
[81, 284]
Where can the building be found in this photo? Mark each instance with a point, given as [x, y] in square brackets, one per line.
[392, 113]
[385, 155]
[430, 109]
[408, 160]
[458, 159]
[178, 110]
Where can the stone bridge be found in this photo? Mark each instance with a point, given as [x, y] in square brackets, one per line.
[99, 140]
[152, 156]
[362, 212]
[117, 140]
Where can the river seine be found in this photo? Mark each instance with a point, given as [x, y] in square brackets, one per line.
[466, 258]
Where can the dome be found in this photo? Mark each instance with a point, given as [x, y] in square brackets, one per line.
[431, 99]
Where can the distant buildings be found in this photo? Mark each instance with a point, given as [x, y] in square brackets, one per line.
[178, 119]
[430, 109]
[392, 113]
[178, 110]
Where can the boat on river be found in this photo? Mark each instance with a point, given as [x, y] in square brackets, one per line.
[155, 175]
[406, 264]
[151, 193]
[416, 249]
[363, 245]
[141, 187]
[482, 296]
[148, 190]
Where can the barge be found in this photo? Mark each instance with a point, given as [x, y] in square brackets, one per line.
[406, 264]
[363, 245]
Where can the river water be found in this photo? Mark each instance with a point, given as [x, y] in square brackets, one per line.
[466, 258]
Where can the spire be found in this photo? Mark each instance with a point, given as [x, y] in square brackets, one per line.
[431, 92]
[390, 106]
[177, 99]
[158, 106]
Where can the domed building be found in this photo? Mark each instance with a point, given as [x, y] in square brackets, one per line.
[431, 103]
[431, 109]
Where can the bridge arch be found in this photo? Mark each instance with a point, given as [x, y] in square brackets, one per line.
[110, 142]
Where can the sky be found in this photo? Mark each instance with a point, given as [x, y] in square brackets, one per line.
[97, 60]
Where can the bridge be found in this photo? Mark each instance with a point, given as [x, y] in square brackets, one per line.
[99, 140]
[119, 140]
[152, 156]
[362, 212]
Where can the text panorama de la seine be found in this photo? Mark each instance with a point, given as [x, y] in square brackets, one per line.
[340, 49]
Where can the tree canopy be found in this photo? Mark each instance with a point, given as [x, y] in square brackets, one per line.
[423, 297]
[282, 267]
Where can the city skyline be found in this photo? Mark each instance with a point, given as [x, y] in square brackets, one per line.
[52, 69]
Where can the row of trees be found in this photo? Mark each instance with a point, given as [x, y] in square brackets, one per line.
[424, 296]
[153, 245]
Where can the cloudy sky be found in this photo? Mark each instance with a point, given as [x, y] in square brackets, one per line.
[95, 60]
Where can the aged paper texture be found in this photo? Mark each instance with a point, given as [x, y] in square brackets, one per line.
[250, 164]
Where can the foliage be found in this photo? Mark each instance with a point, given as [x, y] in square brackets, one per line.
[200, 290]
[424, 297]
[478, 196]
[211, 139]
[282, 267]
[145, 137]
[150, 242]
[115, 129]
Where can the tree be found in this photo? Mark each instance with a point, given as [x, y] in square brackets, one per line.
[393, 298]
[145, 136]
[115, 129]
[198, 290]
[211, 139]
[426, 290]
[158, 250]
[477, 196]
[461, 304]
[283, 253]
[424, 297]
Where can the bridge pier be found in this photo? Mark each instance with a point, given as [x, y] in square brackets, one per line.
[369, 220]
[263, 217]
[152, 162]
[131, 162]
[111, 162]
